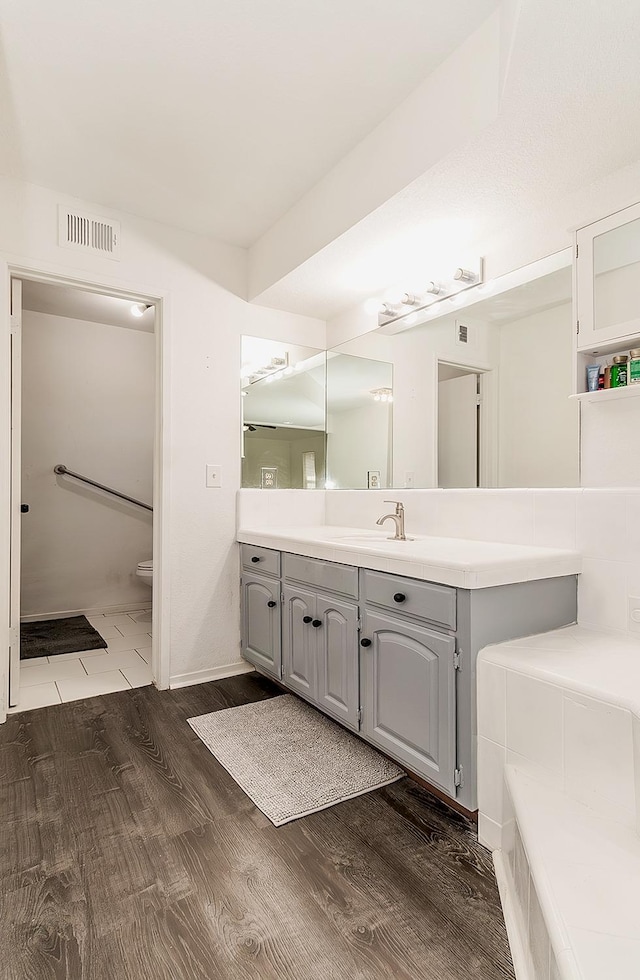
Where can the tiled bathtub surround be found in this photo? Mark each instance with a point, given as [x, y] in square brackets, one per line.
[559, 799]
[604, 525]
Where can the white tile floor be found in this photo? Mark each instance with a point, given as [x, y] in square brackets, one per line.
[69, 676]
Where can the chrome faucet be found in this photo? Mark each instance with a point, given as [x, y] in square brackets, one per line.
[397, 518]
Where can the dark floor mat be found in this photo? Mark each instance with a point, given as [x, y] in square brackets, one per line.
[53, 636]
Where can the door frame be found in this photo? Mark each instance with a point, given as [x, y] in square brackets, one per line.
[160, 649]
[488, 428]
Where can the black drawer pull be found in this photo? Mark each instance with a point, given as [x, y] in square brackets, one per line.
[399, 597]
[316, 623]
[255, 559]
[271, 603]
[307, 619]
[365, 642]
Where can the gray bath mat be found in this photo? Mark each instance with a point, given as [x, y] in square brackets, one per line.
[290, 759]
[52, 636]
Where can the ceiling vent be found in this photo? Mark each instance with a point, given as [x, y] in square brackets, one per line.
[87, 233]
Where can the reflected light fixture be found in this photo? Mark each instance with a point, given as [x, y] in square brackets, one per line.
[382, 394]
[139, 309]
[463, 275]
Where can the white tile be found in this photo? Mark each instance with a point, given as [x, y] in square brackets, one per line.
[145, 653]
[555, 519]
[491, 762]
[78, 654]
[142, 642]
[538, 937]
[113, 661]
[51, 672]
[115, 618]
[106, 629]
[492, 689]
[252, 508]
[521, 875]
[144, 616]
[89, 687]
[598, 752]
[132, 628]
[127, 643]
[534, 720]
[138, 675]
[33, 662]
[601, 525]
[514, 516]
[98, 620]
[602, 596]
[489, 833]
[38, 696]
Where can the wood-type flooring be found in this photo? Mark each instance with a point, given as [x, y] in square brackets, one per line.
[128, 853]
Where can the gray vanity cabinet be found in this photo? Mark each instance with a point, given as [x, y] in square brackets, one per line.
[338, 659]
[407, 676]
[320, 651]
[261, 609]
[299, 641]
[261, 623]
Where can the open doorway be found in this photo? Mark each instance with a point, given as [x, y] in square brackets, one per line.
[459, 426]
[84, 411]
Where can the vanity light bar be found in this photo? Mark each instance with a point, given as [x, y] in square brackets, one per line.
[435, 293]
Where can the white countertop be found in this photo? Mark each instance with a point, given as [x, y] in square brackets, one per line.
[459, 562]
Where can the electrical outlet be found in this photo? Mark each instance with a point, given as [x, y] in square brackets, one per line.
[634, 614]
[214, 475]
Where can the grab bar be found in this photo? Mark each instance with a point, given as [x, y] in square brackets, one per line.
[62, 470]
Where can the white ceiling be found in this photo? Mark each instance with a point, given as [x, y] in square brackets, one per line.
[221, 116]
[212, 115]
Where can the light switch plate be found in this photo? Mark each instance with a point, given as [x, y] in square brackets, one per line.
[634, 613]
[214, 475]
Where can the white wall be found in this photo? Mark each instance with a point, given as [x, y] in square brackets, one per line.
[358, 441]
[88, 402]
[538, 425]
[201, 283]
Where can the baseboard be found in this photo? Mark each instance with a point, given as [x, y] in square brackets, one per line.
[121, 607]
[211, 674]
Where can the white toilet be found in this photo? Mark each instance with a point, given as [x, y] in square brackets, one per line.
[144, 571]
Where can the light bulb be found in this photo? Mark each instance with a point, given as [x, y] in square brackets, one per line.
[434, 287]
[376, 398]
[390, 398]
[139, 309]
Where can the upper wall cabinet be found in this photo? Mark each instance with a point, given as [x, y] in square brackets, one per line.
[608, 283]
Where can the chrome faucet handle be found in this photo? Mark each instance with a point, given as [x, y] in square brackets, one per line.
[398, 503]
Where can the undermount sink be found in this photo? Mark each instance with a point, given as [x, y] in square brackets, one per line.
[371, 538]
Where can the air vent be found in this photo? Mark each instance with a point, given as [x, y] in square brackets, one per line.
[88, 233]
[463, 333]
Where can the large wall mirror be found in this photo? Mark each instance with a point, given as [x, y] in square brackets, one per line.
[469, 397]
[283, 415]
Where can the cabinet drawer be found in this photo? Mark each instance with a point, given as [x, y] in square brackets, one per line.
[262, 560]
[436, 603]
[328, 575]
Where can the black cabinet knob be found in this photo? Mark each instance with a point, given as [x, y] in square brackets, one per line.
[316, 623]
[399, 597]
[365, 642]
[255, 559]
[271, 603]
[24, 508]
[306, 619]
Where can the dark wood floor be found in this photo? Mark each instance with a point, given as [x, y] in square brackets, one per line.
[128, 853]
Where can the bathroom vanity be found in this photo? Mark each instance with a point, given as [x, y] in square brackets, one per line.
[383, 635]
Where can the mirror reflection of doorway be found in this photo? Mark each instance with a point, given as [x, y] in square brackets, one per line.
[459, 406]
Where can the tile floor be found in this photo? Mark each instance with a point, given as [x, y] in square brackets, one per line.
[70, 676]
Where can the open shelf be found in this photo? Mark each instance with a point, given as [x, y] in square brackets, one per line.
[608, 394]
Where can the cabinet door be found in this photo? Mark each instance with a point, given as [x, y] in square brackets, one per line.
[261, 624]
[337, 659]
[608, 279]
[407, 678]
[299, 641]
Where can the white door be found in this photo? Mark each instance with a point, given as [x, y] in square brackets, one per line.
[16, 395]
[458, 432]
